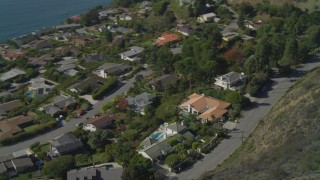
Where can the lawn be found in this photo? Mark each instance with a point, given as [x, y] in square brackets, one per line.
[41, 149]
[100, 157]
[30, 128]
[148, 43]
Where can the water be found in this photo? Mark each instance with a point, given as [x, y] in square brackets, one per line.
[19, 17]
[157, 135]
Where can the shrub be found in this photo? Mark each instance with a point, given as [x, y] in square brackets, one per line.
[172, 160]
[106, 88]
[24, 135]
[57, 168]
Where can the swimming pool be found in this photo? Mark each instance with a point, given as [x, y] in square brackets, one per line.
[184, 115]
[157, 135]
[29, 94]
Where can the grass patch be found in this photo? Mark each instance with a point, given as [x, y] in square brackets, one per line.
[41, 149]
[30, 128]
[148, 43]
[101, 158]
[22, 176]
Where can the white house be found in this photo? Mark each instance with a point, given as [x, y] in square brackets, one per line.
[206, 17]
[125, 17]
[40, 87]
[231, 80]
[132, 54]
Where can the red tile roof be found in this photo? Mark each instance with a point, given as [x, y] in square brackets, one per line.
[167, 37]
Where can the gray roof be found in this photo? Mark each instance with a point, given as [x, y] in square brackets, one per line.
[7, 157]
[94, 57]
[147, 142]
[39, 83]
[66, 143]
[188, 135]
[51, 109]
[134, 51]
[231, 77]
[139, 102]
[71, 72]
[59, 104]
[22, 162]
[42, 44]
[67, 61]
[176, 127]
[99, 172]
[122, 30]
[64, 103]
[66, 67]
[156, 150]
[20, 153]
[93, 82]
[113, 68]
[11, 74]
[3, 168]
[165, 80]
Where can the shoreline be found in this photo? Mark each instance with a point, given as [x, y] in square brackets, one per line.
[23, 23]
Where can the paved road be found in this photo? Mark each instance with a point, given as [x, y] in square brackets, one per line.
[233, 24]
[72, 123]
[267, 98]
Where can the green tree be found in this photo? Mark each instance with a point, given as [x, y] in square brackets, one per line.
[58, 167]
[199, 7]
[107, 35]
[139, 168]
[290, 54]
[99, 138]
[172, 160]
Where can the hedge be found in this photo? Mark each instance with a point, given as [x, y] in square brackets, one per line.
[106, 88]
[25, 135]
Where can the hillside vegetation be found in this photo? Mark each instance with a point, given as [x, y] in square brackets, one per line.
[311, 5]
[286, 144]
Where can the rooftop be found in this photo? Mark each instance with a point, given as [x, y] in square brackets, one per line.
[8, 106]
[11, 74]
[103, 171]
[134, 50]
[208, 107]
[101, 121]
[166, 38]
[10, 126]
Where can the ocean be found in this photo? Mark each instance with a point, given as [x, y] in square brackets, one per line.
[20, 17]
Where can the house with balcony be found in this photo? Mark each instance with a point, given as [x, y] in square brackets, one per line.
[231, 80]
[39, 87]
[206, 108]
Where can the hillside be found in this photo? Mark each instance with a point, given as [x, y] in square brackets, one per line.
[286, 144]
[303, 4]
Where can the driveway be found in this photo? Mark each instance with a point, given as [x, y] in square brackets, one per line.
[233, 24]
[271, 93]
[72, 123]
